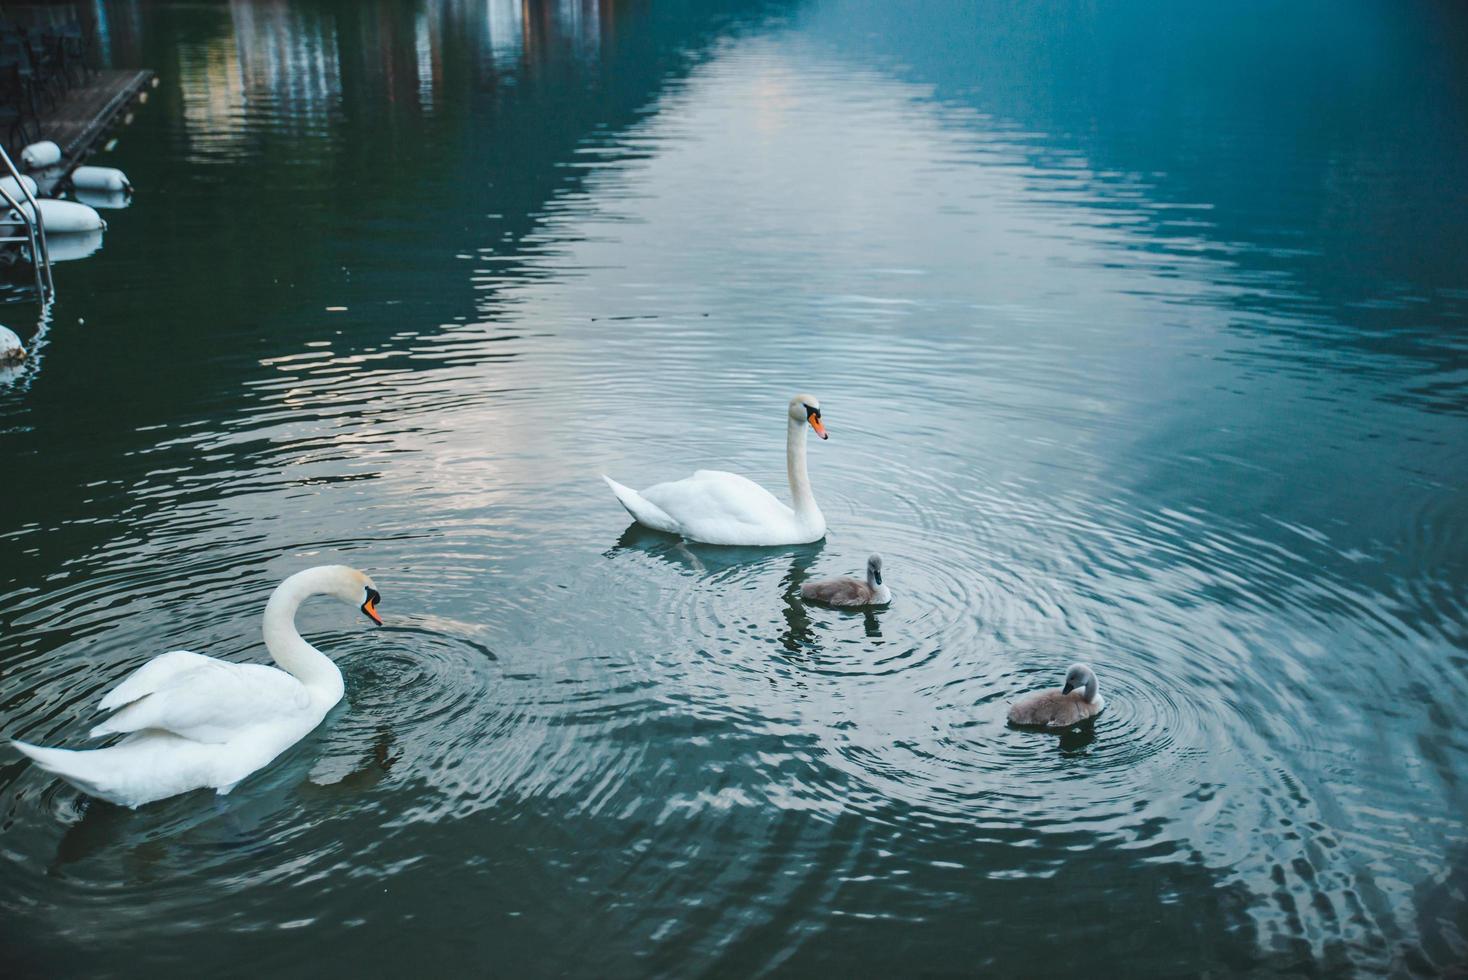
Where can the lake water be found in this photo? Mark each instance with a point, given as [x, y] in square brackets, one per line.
[1141, 333]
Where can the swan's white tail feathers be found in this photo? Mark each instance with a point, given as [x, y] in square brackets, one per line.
[34, 752]
[643, 511]
[104, 729]
[74, 767]
[113, 700]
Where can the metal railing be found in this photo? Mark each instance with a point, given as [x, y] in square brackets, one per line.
[35, 227]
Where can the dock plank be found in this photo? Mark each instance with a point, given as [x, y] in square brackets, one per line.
[86, 112]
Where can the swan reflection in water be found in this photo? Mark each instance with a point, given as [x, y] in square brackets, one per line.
[707, 560]
[1075, 739]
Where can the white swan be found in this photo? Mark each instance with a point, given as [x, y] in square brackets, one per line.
[715, 507]
[194, 721]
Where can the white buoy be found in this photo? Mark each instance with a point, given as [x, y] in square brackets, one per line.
[39, 156]
[14, 189]
[63, 217]
[100, 179]
[12, 351]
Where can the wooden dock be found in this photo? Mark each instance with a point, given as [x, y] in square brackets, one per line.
[78, 123]
[85, 114]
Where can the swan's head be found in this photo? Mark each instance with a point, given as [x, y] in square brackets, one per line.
[355, 588]
[1080, 677]
[874, 570]
[807, 409]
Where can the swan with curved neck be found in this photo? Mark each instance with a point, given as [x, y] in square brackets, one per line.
[715, 507]
[193, 722]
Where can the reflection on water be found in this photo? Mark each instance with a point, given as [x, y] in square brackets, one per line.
[74, 245]
[287, 55]
[1139, 335]
[281, 63]
[103, 200]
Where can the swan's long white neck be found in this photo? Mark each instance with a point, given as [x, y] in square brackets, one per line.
[800, 494]
[291, 651]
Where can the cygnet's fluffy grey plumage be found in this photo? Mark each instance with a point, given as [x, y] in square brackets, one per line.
[1079, 700]
[851, 591]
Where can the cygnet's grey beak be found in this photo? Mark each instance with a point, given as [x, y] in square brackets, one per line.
[1069, 686]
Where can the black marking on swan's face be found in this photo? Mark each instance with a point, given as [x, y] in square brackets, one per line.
[369, 605]
[874, 569]
[813, 419]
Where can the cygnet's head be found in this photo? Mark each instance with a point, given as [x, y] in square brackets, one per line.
[807, 408]
[874, 570]
[1080, 676]
[355, 588]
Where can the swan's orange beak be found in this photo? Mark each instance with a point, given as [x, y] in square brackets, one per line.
[370, 606]
[815, 423]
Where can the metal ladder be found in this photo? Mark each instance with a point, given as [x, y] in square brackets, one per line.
[35, 228]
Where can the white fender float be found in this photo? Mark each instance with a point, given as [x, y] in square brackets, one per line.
[100, 179]
[65, 217]
[12, 351]
[39, 156]
[14, 189]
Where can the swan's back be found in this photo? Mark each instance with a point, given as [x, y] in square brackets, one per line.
[839, 592]
[214, 701]
[1052, 709]
[725, 508]
[717, 495]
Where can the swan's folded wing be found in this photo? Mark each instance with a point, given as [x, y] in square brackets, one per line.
[837, 592]
[149, 677]
[1039, 708]
[717, 496]
[212, 701]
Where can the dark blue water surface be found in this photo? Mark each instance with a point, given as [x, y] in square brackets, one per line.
[1141, 331]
